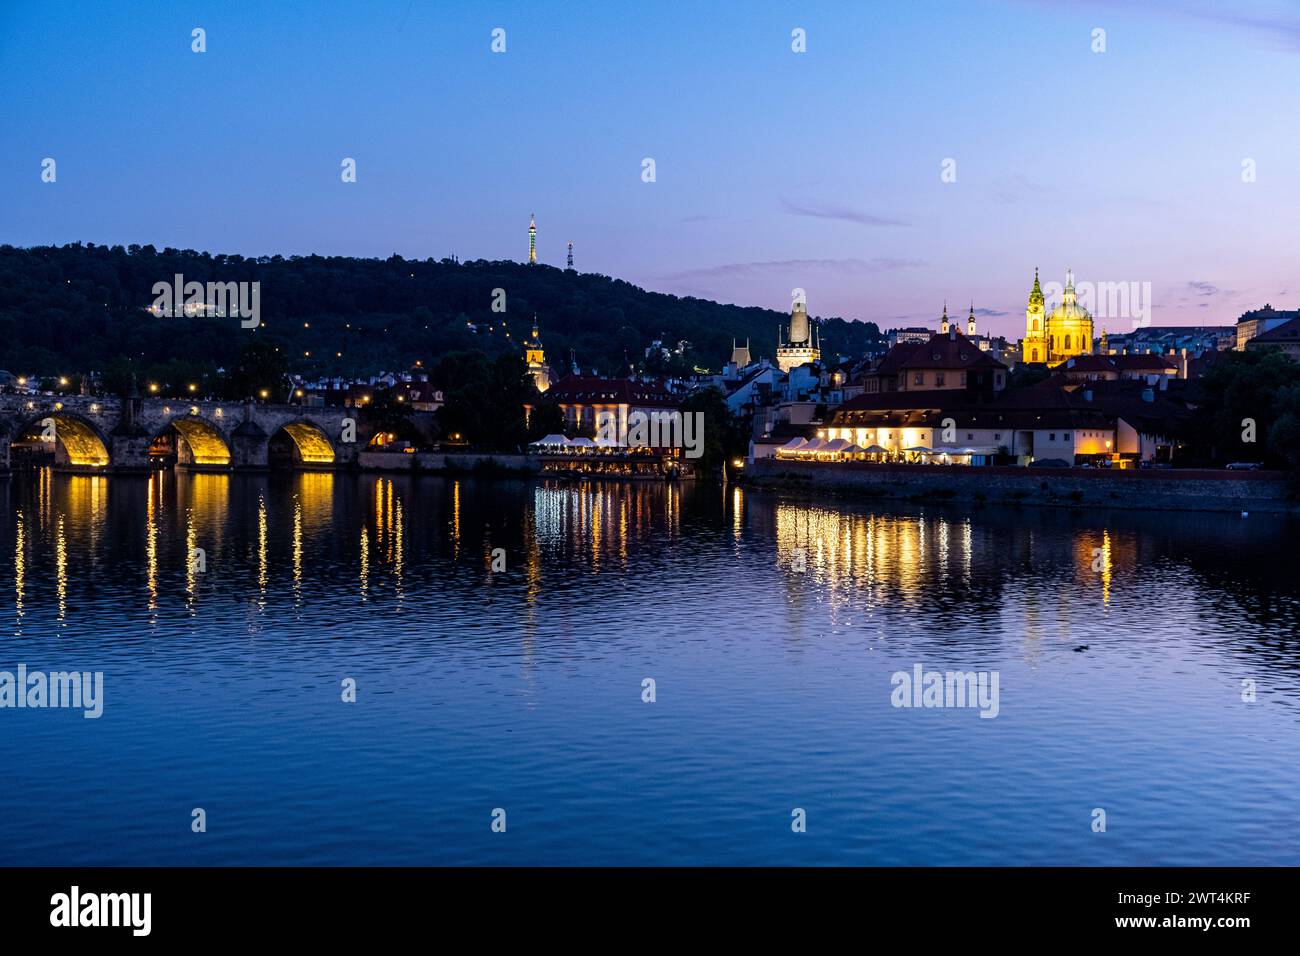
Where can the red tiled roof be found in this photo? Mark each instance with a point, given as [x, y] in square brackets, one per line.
[953, 351]
[1119, 363]
[593, 390]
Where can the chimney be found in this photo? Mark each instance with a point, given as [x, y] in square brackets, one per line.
[952, 332]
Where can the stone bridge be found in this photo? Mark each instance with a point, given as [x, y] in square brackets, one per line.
[101, 435]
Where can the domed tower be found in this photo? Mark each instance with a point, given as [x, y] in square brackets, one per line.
[943, 320]
[1033, 348]
[1069, 326]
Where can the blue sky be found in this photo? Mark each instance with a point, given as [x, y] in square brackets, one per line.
[819, 170]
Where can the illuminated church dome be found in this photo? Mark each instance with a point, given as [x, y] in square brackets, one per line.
[1059, 335]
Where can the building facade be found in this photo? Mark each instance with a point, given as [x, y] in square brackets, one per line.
[1053, 337]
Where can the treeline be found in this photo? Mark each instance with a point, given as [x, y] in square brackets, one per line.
[75, 308]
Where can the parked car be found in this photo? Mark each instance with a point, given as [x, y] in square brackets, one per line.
[1049, 463]
[1244, 466]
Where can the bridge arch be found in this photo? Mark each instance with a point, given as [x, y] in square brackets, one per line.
[202, 445]
[78, 442]
[302, 442]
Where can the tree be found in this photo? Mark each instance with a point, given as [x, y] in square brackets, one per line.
[259, 372]
[724, 436]
[1246, 405]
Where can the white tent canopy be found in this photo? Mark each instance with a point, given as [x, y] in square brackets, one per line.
[552, 441]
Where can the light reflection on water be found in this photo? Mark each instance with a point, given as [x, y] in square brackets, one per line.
[1121, 639]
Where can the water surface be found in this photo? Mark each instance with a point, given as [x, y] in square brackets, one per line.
[1120, 687]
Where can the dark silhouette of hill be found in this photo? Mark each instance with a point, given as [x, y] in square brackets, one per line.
[73, 308]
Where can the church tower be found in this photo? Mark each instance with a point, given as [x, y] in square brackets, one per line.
[1034, 346]
[803, 344]
[943, 321]
[970, 322]
[535, 356]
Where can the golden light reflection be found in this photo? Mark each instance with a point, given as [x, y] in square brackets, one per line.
[153, 491]
[20, 568]
[365, 564]
[61, 568]
[455, 518]
[191, 564]
[261, 550]
[399, 551]
[297, 546]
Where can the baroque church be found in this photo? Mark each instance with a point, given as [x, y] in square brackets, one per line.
[1057, 336]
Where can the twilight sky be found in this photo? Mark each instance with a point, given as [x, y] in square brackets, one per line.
[774, 169]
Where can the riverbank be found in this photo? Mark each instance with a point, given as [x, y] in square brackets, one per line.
[1200, 490]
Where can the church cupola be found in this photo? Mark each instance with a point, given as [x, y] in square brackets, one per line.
[970, 321]
[943, 321]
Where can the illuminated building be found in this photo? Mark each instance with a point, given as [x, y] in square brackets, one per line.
[532, 239]
[535, 356]
[803, 343]
[1051, 338]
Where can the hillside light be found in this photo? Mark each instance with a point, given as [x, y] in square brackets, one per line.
[263, 393]
[63, 380]
[153, 387]
[193, 387]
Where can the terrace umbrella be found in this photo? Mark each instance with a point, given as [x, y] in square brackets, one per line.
[581, 444]
[792, 446]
